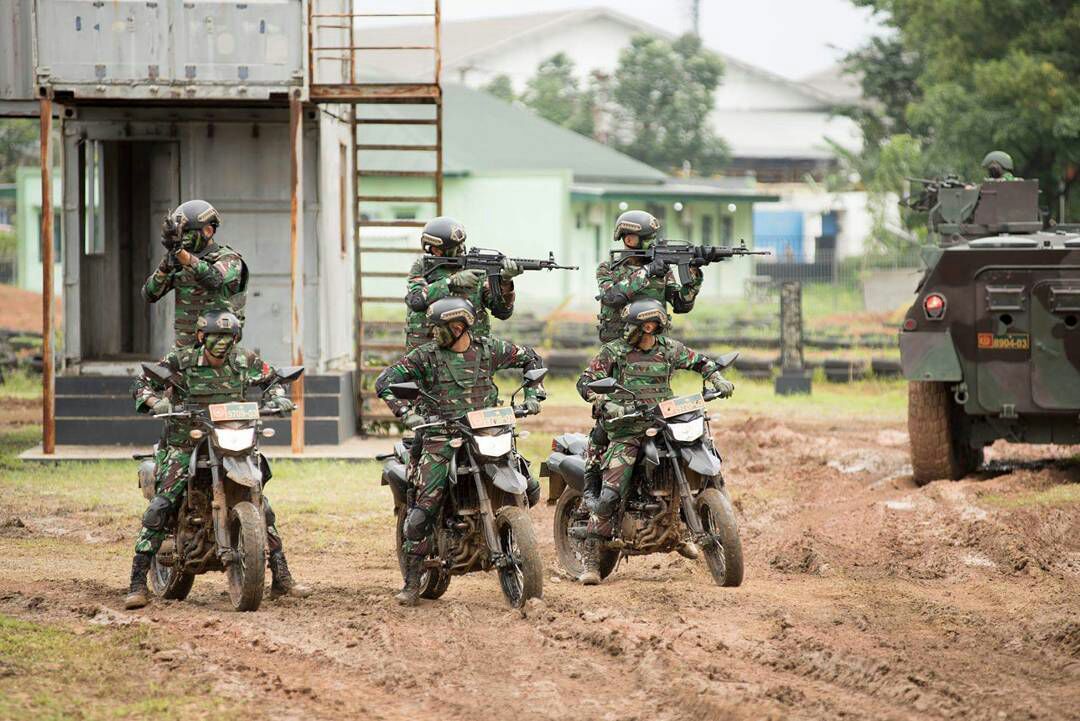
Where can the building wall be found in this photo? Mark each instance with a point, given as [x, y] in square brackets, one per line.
[28, 228]
[336, 228]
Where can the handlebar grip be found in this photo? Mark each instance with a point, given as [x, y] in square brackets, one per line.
[520, 411]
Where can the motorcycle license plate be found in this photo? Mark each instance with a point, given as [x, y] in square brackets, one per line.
[488, 417]
[682, 404]
[234, 412]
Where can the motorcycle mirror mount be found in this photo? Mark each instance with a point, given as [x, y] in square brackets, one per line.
[607, 385]
[288, 374]
[534, 376]
[727, 359]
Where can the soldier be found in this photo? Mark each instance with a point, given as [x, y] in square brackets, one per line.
[445, 236]
[629, 281]
[643, 361]
[205, 274]
[998, 165]
[214, 370]
[458, 369]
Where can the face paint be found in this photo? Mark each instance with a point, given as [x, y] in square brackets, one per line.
[444, 336]
[194, 241]
[453, 252]
[219, 344]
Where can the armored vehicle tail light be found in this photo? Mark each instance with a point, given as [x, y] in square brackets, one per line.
[934, 306]
[910, 324]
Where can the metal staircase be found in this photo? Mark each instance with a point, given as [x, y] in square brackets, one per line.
[390, 95]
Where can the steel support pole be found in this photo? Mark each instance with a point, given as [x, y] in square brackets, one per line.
[48, 382]
[296, 255]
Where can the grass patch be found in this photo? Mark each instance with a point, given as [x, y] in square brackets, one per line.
[48, 672]
[1061, 495]
[21, 385]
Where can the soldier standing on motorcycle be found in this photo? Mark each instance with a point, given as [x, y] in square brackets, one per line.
[620, 285]
[642, 362]
[205, 274]
[214, 370]
[457, 370]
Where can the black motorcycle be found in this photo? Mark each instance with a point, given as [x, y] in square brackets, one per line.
[220, 524]
[484, 522]
[677, 495]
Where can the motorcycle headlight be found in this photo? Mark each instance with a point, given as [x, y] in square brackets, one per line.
[234, 439]
[494, 446]
[689, 431]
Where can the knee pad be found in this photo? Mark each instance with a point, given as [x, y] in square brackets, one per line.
[417, 525]
[599, 436]
[532, 491]
[157, 513]
[268, 511]
[608, 502]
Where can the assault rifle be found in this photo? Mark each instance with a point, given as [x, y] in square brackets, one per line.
[490, 262]
[684, 255]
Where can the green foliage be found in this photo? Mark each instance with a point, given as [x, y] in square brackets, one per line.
[501, 87]
[18, 146]
[961, 78]
[553, 94]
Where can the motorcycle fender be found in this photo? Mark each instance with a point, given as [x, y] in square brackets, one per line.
[701, 460]
[394, 475]
[650, 452]
[506, 477]
[243, 470]
[194, 459]
[453, 468]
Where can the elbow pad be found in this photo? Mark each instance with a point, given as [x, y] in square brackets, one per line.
[615, 297]
[416, 302]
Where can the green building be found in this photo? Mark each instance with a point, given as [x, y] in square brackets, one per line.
[28, 228]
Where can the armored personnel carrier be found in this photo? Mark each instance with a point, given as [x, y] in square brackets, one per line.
[991, 346]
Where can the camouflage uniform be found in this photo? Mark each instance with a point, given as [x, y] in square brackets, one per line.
[648, 374]
[462, 382]
[204, 384]
[628, 282]
[217, 281]
[423, 291]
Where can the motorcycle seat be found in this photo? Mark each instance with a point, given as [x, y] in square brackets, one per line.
[574, 442]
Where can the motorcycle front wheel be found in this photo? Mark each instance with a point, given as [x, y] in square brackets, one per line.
[434, 581]
[523, 577]
[247, 572]
[168, 582]
[724, 558]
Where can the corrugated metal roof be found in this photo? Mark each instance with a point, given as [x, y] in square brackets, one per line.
[673, 189]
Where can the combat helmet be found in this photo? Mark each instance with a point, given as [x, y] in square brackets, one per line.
[1003, 160]
[219, 321]
[443, 312]
[442, 232]
[637, 222]
[189, 219]
[641, 311]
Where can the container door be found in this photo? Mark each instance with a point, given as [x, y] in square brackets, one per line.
[1003, 341]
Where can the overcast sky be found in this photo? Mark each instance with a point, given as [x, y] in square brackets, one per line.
[793, 38]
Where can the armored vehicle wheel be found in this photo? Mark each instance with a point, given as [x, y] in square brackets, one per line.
[939, 446]
[523, 578]
[724, 560]
[168, 582]
[568, 512]
[434, 582]
[247, 572]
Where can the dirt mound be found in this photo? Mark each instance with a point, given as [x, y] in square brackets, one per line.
[20, 310]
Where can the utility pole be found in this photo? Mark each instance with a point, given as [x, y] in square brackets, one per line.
[695, 17]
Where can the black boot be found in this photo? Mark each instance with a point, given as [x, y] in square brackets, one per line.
[591, 560]
[138, 595]
[283, 583]
[591, 488]
[409, 595]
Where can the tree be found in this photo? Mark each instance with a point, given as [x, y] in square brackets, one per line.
[664, 93]
[964, 77]
[501, 87]
[553, 93]
[18, 146]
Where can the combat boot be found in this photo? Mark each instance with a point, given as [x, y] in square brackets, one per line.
[688, 549]
[138, 594]
[409, 595]
[590, 559]
[283, 583]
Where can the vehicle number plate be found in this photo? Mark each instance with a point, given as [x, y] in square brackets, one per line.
[682, 404]
[234, 412]
[489, 417]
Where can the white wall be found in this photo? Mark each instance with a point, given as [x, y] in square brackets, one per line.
[336, 277]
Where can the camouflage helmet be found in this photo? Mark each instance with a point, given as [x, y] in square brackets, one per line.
[637, 222]
[219, 321]
[443, 311]
[195, 215]
[646, 309]
[1000, 157]
[442, 232]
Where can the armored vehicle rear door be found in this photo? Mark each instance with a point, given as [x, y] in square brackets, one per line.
[1003, 341]
[1055, 344]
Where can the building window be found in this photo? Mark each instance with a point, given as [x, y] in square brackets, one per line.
[56, 236]
[727, 230]
[93, 197]
[706, 230]
[343, 193]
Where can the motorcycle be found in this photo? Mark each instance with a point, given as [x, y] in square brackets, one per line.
[484, 521]
[220, 524]
[677, 494]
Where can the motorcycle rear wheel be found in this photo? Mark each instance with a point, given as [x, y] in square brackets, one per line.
[569, 549]
[523, 579]
[725, 561]
[169, 583]
[434, 581]
[247, 572]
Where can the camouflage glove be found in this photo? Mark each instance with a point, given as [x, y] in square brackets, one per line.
[613, 410]
[656, 269]
[510, 269]
[162, 405]
[721, 385]
[283, 404]
[412, 420]
[465, 279]
[532, 406]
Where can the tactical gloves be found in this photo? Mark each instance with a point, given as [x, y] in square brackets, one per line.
[465, 279]
[613, 410]
[656, 268]
[532, 406]
[510, 269]
[162, 405]
[721, 385]
[283, 404]
[412, 420]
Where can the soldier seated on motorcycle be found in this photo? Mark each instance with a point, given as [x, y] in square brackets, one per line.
[458, 370]
[214, 370]
[642, 362]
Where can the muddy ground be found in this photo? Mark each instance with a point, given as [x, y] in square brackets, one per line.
[864, 597]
